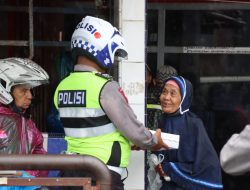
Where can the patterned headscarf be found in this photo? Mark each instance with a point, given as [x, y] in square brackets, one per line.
[165, 71]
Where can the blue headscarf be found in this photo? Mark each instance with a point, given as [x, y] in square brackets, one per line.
[195, 165]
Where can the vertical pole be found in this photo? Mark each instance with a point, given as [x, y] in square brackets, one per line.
[31, 31]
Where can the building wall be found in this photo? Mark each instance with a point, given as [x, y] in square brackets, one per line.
[132, 77]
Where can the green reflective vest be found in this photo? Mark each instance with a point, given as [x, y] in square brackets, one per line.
[87, 128]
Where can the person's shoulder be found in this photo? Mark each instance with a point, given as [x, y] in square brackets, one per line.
[193, 115]
[104, 75]
[5, 111]
[194, 119]
[9, 119]
[111, 86]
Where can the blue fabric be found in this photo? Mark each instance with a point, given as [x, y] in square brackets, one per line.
[56, 145]
[25, 175]
[195, 165]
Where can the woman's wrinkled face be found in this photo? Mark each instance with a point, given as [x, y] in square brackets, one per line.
[22, 96]
[170, 98]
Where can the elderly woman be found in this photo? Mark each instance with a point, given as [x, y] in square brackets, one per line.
[18, 132]
[195, 164]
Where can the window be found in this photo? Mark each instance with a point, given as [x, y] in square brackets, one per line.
[209, 44]
[42, 30]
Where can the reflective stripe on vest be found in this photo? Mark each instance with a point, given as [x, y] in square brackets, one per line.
[89, 132]
[77, 124]
[80, 112]
[154, 106]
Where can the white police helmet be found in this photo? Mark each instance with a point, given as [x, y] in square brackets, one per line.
[15, 71]
[99, 40]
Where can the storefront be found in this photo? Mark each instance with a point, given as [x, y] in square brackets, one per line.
[208, 43]
[205, 41]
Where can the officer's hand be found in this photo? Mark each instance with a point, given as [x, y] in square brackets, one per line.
[160, 143]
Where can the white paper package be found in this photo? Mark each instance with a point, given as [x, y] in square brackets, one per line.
[172, 140]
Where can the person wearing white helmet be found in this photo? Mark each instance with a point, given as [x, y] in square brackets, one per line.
[18, 132]
[94, 110]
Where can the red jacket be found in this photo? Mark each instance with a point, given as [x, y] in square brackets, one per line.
[19, 135]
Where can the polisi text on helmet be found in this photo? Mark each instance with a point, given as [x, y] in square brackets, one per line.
[90, 28]
[98, 39]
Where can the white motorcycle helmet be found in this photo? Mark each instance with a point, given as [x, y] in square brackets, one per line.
[15, 71]
[98, 40]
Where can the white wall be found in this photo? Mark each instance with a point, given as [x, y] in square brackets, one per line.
[132, 76]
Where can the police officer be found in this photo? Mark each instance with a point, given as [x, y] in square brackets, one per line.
[95, 113]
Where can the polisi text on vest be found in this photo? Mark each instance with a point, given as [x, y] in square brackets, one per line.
[69, 98]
